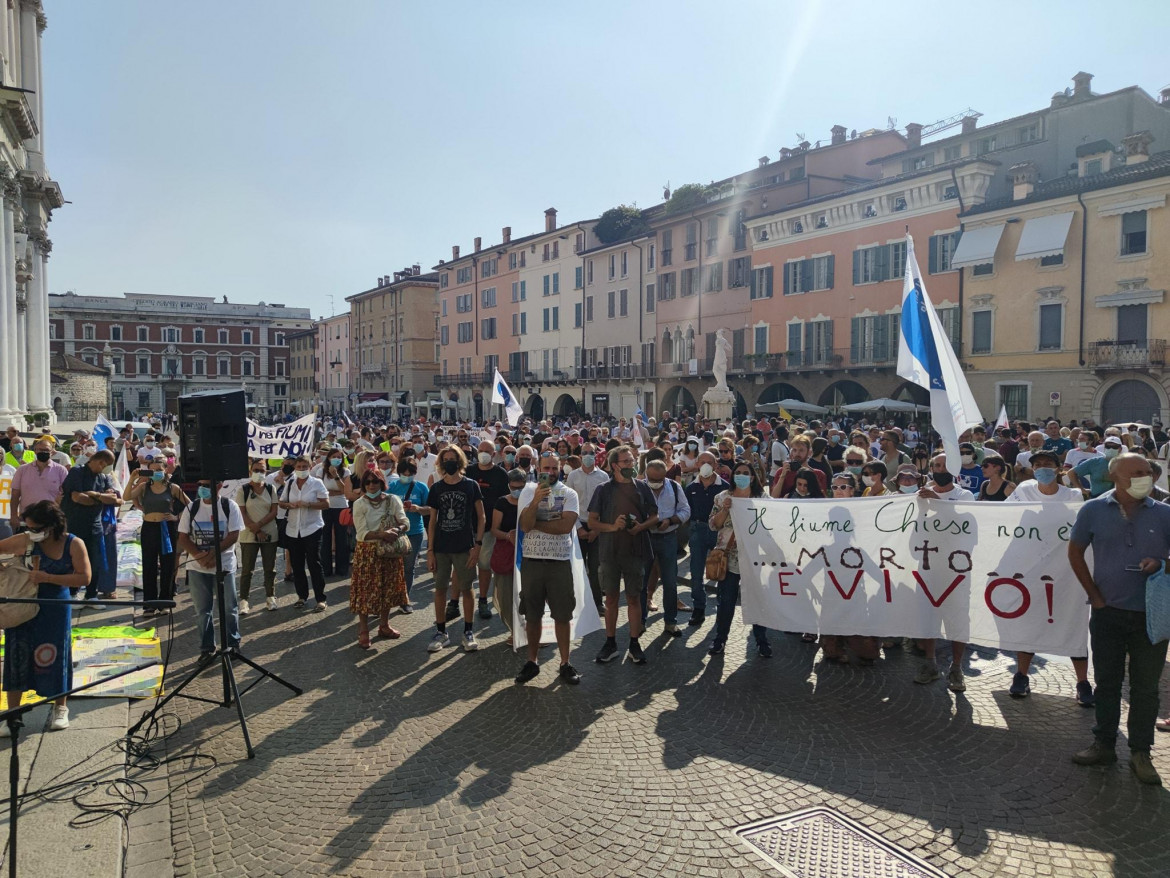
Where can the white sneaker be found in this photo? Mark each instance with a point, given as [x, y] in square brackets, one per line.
[60, 718]
[320, 607]
[438, 641]
[270, 604]
[470, 644]
[245, 608]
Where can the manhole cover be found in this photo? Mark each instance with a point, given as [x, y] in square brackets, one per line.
[823, 843]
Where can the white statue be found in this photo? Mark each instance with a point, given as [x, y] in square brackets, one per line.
[719, 362]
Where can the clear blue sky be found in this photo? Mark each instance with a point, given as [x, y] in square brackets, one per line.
[287, 150]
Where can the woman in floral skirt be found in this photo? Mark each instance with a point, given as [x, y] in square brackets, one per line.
[377, 583]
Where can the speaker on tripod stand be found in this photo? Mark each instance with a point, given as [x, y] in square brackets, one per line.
[213, 438]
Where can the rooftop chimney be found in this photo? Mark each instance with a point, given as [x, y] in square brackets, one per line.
[416, 269]
[550, 220]
[1081, 83]
[386, 279]
[785, 152]
[1166, 95]
[763, 160]
[1137, 147]
[804, 145]
[838, 134]
[507, 232]
[478, 244]
[969, 123]
[454, 252]
[913, 135]
[382, 281]
[1023, 180]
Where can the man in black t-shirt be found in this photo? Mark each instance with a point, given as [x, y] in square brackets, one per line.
[493, 484]
[454, 536]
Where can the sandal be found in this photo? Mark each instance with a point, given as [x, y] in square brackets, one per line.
[391, 633]
[364, 639]
[1162, 725]
[808, 638]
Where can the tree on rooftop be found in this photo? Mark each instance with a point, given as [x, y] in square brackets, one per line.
[687, 197]
[619, 223]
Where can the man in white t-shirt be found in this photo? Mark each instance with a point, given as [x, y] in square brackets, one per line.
[197, 539]
[1046, 488]
[549, 511]
[942, 487]
[1023, 460]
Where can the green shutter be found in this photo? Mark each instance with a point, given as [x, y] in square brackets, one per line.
[809, 343]
[787, 281]
[806, 275]
[856, 267]
[933, 262]
[881, 349]
[829, 272]
[882, 263]
[854, 339]
[769, 277]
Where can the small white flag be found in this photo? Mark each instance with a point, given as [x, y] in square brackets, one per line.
[1002, 420]
[502, 395]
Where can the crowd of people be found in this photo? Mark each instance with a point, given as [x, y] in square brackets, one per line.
[639, 500]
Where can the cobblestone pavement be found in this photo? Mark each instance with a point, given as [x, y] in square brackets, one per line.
[398, 761]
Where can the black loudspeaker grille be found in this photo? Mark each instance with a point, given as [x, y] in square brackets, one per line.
[213, 435]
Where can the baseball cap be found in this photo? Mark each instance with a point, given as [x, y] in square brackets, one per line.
[1113, 440]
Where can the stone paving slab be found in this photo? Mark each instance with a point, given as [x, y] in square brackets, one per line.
[399, 761]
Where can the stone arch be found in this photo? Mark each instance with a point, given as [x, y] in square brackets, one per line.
[841, 393]
[1130, 398]
[909, 392]
[534, 407]
[565, 405]
[778, 391]
[678, 398]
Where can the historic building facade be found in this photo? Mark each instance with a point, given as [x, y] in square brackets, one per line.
[304, 391]
[29, 197]
[158, 348]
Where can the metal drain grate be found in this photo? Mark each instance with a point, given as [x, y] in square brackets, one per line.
[823, 843]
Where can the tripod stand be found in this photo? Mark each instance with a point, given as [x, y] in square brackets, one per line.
[223, 655]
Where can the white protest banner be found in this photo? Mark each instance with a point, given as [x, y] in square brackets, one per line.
[281, 440]
[994, 574]
[7, 471]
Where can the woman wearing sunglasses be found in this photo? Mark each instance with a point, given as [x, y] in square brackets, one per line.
[378, 583]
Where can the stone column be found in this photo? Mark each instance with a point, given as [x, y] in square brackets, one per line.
[30, 58]
[40, 395]
[21, 354]
[8, 354]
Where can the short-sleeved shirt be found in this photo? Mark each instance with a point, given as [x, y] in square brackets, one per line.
[1060, 444]
[615, 500]
[1096, 470]
[971, 478]
[258, 507]
[455, 518]
[414, 491]
[508, 514]
[36, 484]
[202, 533]
[1029, 492]
[84, 520]
[701, 497]
[493, 484]
[1119, 543]
[560, 501]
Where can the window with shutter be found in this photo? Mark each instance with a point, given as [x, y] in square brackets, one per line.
[981, 332]
[1051, 335]
[794, 345]
[1133, 233]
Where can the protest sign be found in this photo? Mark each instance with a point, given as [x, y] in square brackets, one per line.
[7, 472]
[281, 440]
[994, 574]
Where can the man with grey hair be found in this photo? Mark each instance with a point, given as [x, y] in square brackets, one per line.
[1130, 537]
[673, 510]
[1023, 461]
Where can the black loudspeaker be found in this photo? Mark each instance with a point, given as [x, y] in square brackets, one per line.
[213, 436]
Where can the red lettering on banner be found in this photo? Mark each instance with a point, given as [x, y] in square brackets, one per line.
[889, 587]
[943, 596]
[1004, 614]
[784, 583]
[1047, 580]
[841, 591]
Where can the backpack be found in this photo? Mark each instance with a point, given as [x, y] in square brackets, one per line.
[223, 504]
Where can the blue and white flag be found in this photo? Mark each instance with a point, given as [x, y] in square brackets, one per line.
[103, 430]
[925, 357]
[502, 395]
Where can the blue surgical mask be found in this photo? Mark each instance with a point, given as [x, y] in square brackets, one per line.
[418, 448]
[1045, 475]
[834, 439]
[742, 480]
[336, 461]
[373, 494]
[204, 492]
[406, 480]
[516, 492]
[856, 470]
[510, 458]
[157, 476]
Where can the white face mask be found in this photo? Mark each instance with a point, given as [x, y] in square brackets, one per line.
[1140, 487]
[967, 459]
[868, 481]
[655, 485]
[908, 489]
[485, 458]
[257, 478]
[706, 470]
[37, 537]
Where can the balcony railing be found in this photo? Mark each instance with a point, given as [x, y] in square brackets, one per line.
[1113, 354]
[616, 371]
[793, 361]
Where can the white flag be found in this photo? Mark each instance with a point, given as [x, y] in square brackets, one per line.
[1002, 420]
[925, 356]
[122, 470]
[502, 395]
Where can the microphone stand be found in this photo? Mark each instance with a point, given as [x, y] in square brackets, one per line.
[13, 717]
[223, 654]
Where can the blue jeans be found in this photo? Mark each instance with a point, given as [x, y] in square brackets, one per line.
[409, 562]
[1117, 635]
[702, 541]
[728, 598]
[666, 554]
[202, 588]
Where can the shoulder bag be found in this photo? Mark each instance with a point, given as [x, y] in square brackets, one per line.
[16, 583]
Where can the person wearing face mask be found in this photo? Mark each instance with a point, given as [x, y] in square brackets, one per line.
[688, 461]
[18, 451]
[942, 487]
[493, 485]
[158, 498]
[33, 482]
[454, 536]
[378, 584]
[149, 449]
[1085, 449]
[413, 495]
[503, 528]
[745, 485]
[779, 451]
[673, 511]
[278, 478]
[257, 502]
[622, 511]
[1130, 537]
[334, 475]
[85, 495]
[970, 473]
[197, 539]
[799, 452]
[1045, 488]
[585, 481]
[1096, 469]
[304, 499]
[700, 495]
[525, 457]
[835, 453]
[59, 566]
[426, 461]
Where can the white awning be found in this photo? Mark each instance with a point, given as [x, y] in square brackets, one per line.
[1044, 236]
[977, 246]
